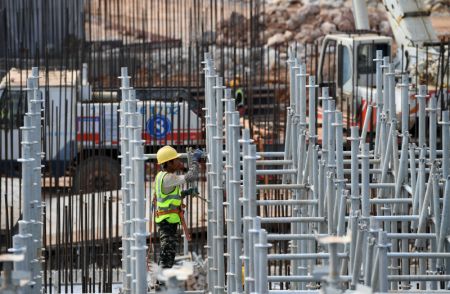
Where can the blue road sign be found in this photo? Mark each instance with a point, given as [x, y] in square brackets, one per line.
[158, 126]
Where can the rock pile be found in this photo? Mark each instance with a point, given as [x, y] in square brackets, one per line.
[233, 31]
[283, 22]
[438, 6]
[305, 23]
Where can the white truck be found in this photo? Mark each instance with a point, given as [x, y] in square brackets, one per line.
[80, 135]
[346, 63]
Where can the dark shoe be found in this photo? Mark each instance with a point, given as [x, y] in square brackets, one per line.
[160, 286]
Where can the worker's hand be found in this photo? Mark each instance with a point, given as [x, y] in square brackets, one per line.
[197, 154]
[189, 192]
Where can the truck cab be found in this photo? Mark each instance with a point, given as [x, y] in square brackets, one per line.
[347, 68]
[80, 131]
[58, 90]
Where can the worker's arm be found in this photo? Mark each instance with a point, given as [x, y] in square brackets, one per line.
[171, 181]
[194, 158]
[192, 174]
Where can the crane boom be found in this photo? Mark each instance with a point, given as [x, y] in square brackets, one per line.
[361, 15]
[410, 22]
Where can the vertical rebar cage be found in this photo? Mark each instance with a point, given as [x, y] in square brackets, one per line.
[285, 159]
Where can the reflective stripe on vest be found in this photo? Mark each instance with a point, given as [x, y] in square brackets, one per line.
[166, 202]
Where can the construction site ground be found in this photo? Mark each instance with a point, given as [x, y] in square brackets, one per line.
[57, 201]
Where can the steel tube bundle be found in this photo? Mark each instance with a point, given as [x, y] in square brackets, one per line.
[134, 238]
[28, 241]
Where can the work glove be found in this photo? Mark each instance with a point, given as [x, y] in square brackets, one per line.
[190, 191]
[197, 154]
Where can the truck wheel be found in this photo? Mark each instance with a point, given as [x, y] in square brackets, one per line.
[96, 173]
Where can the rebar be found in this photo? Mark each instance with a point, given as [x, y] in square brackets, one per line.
[402, 186]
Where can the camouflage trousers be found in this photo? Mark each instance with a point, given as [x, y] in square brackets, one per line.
[168, 236]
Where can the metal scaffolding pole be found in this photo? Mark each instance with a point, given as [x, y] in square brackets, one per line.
[125, 176]
[29, 239]
[391, 192]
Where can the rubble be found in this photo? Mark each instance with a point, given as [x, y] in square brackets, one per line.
[309, 21]
[276, 39]
[438, 6]
[233, 31]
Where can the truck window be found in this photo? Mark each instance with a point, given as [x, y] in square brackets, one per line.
[327, 66]
[12, 109]
[346, 65]
[366, 54]
[329, 63]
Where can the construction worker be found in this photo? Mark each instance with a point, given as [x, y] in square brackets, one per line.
[169, 196]
[238, 95]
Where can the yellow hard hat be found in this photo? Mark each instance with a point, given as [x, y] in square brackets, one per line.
[165, 154]
[234, 83]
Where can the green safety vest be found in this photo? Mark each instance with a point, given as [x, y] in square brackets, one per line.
[240, 92]
[166, 202]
